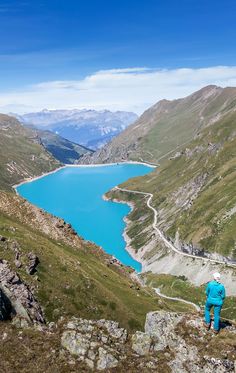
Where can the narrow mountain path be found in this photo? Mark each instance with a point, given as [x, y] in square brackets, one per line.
[161, 235]
[158, 292]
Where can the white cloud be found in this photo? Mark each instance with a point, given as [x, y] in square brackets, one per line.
[132, 89]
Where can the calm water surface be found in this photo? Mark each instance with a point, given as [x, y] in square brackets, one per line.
[75, 194]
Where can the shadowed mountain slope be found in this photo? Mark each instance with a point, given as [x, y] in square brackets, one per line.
[62, 149]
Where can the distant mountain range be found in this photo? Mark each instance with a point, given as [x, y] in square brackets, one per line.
[89, 128]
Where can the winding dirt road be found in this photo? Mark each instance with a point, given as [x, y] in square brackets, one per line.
[161, 235]
[158, 292]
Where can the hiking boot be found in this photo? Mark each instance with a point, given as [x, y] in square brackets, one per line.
[216, 331]
[207, 326]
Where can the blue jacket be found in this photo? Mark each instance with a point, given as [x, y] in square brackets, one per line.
[215, 292]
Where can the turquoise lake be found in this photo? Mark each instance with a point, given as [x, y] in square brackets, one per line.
[75, 194]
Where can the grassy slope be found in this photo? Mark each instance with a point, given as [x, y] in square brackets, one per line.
[208, 215]
[167, 126]
[179, 287]
[19, 150]
[77, 281]
[183, 119]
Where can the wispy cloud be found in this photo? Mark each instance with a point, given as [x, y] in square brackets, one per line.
[117, 89]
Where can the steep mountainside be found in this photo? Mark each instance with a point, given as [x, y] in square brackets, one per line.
[194, 190]
[21, 155]
[89, 128]
[64, 150]
[167, 126]
[194, 193]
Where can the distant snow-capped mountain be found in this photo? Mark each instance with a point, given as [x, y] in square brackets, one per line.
[89, 128]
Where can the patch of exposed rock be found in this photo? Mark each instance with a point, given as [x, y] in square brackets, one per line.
[30, 260]
[184, 196]
[16, 297]
[33, 262]
[103, 345]
[100, 344]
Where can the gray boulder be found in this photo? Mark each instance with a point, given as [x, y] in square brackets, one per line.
[160, 325]
[102, 345]
[141, 343]
[106, 360]
[76, 343]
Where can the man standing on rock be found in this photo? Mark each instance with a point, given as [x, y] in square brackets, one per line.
[215, 293]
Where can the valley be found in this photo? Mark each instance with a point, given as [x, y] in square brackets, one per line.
[193, 183]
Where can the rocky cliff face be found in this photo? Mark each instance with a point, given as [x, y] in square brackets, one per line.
[16, 298]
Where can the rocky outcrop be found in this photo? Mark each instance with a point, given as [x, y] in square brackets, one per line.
[176, 341]
[141, 343]
[5, 307]
[191, 249]
[184, 196]
[160, 326]
[100, 344]
[33, 262]
[20, 299]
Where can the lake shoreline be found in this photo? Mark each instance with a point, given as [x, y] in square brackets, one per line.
[31, 179]
[127, 239]
[125, 236]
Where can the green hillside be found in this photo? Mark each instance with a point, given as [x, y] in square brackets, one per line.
[168, 126]
[194, 139]
[195, 192]
[21, 156]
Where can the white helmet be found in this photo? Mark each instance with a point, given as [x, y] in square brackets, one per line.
[216, 276]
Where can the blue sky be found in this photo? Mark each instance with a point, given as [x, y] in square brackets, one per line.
[70, 41]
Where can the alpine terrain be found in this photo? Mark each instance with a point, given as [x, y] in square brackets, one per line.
[89, 128]
[65, 305]
[191, 192]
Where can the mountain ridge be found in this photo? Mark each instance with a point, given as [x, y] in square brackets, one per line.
[165, 127]
[89, 128]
